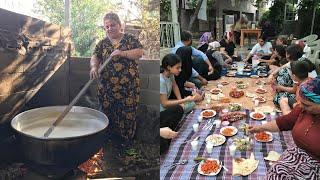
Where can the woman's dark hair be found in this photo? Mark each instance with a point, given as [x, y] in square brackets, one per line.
[186, 35]
[170, 60]
[283, 39]
[300, 69]
[113, 17]
[294, 51]
[281, 51]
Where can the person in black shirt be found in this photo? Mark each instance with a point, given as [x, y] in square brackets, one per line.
[229, 48]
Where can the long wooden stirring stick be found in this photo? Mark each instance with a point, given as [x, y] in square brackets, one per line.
[74, 101]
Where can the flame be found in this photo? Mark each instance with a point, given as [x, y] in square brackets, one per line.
[94, 165]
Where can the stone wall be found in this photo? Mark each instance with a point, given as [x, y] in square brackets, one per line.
[31, 51]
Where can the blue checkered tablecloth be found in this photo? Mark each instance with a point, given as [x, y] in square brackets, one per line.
[179, 151]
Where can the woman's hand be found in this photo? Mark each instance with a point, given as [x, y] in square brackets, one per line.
[116, 53]
[210, 70]
[94, 73]
[279, 88]
[196, 97]
[255, 129]
[167, 133]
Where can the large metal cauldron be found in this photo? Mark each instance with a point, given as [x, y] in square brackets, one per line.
[73, 141]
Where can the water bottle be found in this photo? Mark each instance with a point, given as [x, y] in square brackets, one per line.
[255, 62]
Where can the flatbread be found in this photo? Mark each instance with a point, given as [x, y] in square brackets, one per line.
[244, 167]
[265, 109]
[272, 156]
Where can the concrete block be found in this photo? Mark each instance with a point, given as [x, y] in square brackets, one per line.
[149, 67]
[154, 82]
[144, 81]
[149, 97]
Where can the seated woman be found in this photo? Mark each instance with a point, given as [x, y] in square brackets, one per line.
[205, 39]
[301, 161]
[283, 83]
[277, 59]
[215, 48]
[300, 71]
[262, 49]
[171, 111]
[228, 48]
[189, 76]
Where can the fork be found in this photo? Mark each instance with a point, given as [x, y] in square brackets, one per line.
[226, 169]
[207, 124]
[183, 162]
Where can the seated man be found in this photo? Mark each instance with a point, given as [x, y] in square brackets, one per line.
[262, 49]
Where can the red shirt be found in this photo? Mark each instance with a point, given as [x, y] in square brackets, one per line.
[299, 121]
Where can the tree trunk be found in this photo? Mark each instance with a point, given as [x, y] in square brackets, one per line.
[195, 15]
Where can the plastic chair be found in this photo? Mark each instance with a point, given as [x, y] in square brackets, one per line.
[309, 39]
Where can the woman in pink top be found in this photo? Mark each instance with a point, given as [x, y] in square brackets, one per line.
[301, 161]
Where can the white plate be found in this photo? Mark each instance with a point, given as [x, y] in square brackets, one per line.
[251, 95]
[214, 113]
[262, 101]
[211, 174]
[264, 141]
[261, 92]
[254, 76]
[216, 89]
[216, 139]
[263, 115]
[235, 130]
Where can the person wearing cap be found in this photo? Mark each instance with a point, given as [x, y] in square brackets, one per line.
[302, 160]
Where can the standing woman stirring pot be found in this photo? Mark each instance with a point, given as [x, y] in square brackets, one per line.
[119, 83]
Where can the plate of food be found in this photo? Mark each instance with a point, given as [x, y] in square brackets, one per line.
[235, 107]
[208, 113]
[224, 83]
[257, 115]
[251, 95]
[209, 167]
[215, 91]
[231, 74]
[216, 139]
[260, 82]
[225, 100]
[242, 86]
[254, 76]
[260, 99]
[236, 93]
[217, 97]
[263, 136]
[261, 91]
[239, 82]
[228, 131]
[244, 167]
[263, 74]
[232, 116]
[243, 144]
[265, 109]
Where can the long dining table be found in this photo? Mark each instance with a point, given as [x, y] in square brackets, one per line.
[181, 150]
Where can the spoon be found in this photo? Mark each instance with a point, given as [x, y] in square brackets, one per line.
[183, 162]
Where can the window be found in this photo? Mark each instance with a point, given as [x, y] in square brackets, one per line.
[290, 12]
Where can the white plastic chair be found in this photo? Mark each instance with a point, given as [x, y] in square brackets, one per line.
[309, 39]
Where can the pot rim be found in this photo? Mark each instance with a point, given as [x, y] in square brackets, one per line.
[58, 138]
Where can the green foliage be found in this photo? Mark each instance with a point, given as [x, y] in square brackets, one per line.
[165, 10]
[86, 15]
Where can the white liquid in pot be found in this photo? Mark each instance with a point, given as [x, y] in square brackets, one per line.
[74, 124]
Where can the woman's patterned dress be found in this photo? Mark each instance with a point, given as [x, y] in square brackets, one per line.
[284, 79]
[119, 86]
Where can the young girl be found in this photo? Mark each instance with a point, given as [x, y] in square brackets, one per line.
[171, 110]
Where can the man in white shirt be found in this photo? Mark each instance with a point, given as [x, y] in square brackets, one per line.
[261, 49]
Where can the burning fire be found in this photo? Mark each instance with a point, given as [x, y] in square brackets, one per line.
[94, 165]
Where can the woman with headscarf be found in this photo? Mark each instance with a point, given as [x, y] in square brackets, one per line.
[301, 161]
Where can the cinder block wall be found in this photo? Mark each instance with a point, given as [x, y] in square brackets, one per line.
[66, 83]
[31, 51]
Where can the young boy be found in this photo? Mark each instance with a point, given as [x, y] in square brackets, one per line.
[300, 71]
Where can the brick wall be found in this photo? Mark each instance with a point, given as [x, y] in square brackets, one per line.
[31, 51]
